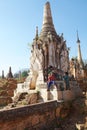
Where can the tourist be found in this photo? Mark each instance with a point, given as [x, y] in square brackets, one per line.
[66, 79]
[51, 80]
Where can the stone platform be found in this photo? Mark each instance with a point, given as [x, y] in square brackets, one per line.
[55, 93]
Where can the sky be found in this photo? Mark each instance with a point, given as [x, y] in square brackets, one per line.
[18, 21]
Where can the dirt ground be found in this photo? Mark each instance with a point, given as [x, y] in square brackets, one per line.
[77, 119]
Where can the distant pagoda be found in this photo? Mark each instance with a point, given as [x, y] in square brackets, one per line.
[9, 75]
[80, 61]
[76, 64]
[3, 74]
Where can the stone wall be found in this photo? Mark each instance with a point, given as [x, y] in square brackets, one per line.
[41, 116]
[7, 87]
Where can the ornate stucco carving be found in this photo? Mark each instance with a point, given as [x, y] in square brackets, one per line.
[48, 49]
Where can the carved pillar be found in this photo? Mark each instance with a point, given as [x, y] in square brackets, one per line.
[58, 57]
[45, 56]
[45, 48]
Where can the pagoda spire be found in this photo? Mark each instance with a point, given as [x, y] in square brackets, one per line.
[78, 41]
[47, 17]
[79, 52]
[48, 25]
[36, 32]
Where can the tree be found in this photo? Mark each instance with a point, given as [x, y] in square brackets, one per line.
[24, 74]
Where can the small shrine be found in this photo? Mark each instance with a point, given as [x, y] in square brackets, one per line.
[9, 75]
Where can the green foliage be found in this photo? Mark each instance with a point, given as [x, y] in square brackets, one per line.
[24, 74]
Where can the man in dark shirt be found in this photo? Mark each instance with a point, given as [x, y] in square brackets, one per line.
[66, 79]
